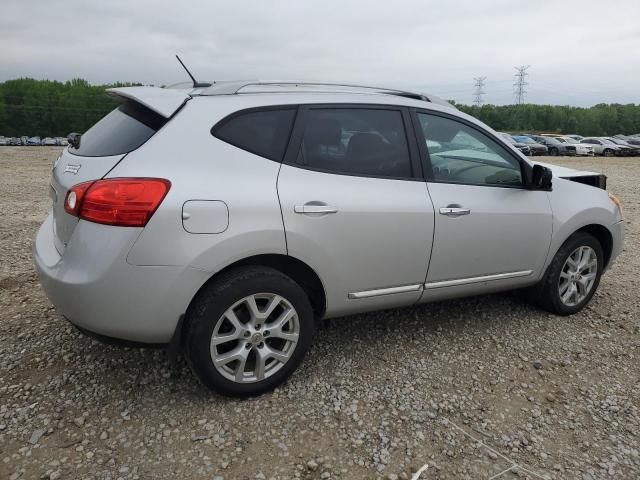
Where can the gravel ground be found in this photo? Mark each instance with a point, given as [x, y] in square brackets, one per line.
[470, 387]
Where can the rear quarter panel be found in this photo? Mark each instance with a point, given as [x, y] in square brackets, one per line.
[201, 167]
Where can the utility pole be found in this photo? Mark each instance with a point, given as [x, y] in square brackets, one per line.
[521, 83]
[479, 90]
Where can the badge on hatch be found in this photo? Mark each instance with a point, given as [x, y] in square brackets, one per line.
[70, 168]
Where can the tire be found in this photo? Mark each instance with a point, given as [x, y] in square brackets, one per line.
[547, 294]
[608, 153]
[553, 152]
[208, 317]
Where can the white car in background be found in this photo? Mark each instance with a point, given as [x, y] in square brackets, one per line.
[581, 148]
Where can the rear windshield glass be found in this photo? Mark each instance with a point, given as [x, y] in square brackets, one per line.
[121, 131]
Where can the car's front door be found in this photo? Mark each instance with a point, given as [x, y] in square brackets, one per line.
[355, 207]
[490, 231]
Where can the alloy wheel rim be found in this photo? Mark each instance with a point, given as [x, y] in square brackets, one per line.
[578, 275]
[254, 338]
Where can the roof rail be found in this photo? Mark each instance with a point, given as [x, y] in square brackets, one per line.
[261, 86]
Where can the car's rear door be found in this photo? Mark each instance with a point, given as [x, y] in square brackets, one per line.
[355, 206]
[490, 230]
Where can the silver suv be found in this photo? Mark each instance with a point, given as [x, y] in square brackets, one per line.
[225, 220]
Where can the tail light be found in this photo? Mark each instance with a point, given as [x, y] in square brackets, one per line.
[125, 202]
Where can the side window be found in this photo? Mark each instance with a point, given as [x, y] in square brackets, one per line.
[356, 141]
[461, 154]
[264, 132]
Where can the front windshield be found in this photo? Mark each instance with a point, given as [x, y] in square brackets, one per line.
[570, 140]
[561, 140]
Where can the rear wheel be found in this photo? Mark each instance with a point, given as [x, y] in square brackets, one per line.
[553, 152]
[248, 331]
[572, 277]
[608, 153]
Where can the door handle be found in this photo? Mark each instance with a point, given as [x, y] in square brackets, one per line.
[454, 211]
[314, 209]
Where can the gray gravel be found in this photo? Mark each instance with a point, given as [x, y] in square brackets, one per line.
[470, 387]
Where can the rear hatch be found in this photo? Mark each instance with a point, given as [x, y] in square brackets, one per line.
[143, 111]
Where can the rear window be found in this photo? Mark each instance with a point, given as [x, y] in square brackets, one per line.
[264, 132]
[121, 131]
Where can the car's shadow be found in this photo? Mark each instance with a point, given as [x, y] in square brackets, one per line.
[362, 341]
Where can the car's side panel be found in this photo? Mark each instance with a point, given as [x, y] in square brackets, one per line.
[202, 168]
[379, 237]
[506, 234]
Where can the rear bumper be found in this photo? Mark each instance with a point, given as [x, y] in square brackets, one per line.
[94, 287]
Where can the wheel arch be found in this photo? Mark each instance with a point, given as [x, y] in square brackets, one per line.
[603, 235]
[294, 268]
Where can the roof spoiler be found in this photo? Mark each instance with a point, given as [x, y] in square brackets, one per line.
[163, 101]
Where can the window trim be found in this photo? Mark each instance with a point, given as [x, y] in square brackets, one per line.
[525, 168]
[291, 156]
[238, 113]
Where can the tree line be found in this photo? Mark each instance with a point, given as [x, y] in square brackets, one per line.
[51, 108]
[598, 120]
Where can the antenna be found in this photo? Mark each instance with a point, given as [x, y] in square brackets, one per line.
[196, 84]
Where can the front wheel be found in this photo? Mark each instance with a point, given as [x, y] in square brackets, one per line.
[608, 153]
[572, 277]
[553, 152]
[248, 330]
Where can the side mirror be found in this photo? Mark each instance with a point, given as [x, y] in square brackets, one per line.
[74, 140]
[541, 178]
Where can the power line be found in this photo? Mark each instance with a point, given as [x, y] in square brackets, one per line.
[479, 90]
[521, 83]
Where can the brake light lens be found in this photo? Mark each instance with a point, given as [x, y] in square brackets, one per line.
[124, 202]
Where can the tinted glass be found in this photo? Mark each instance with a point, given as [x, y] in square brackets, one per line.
[265, 132]
[461, 154]
[356, 141]
[121, 131]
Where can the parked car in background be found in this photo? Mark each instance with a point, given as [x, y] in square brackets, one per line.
[524, 148]
[4, 141]
[625, 150]
[281, 211]
[634, 150]
[33, 141]
[24, 139]
[49, 142]
[554, 146]
[62, 141]
[581, 149]
[536, 148]
[601, 147]
[634, 141]
[15, 141]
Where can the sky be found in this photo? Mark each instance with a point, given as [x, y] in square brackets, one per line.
[580, 52]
